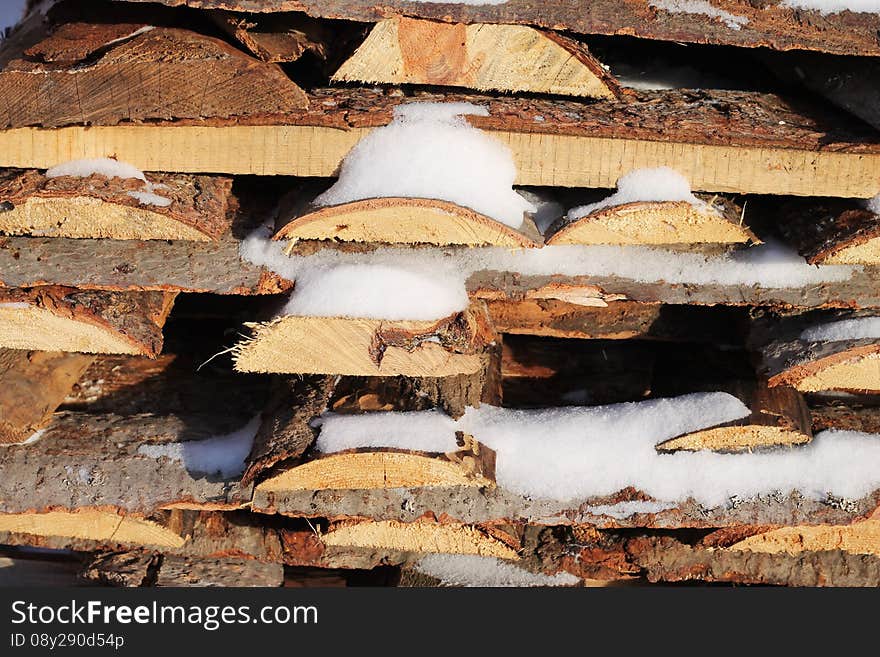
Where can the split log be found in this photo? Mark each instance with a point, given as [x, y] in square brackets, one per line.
[480, 56]
[832, 232]
[420, 537]
[406, 221]
[280, 38]
[664, 223]
[772, 26]
[128, 569]
[777, 148]
[61, 319]
[92, 524]
[188, 571]
[857, 538]
[153, 74]
[101, 207]
[34, 384]
[367, 347]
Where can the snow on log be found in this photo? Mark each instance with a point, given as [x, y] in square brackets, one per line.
[62, 319]
[479, 56]
[169, 207]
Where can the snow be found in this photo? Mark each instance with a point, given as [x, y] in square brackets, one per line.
[149, 198]
[874, 204]
[732, 21]
[429, 150]
[846, 329]
[14, 304]
[219, 455]
[375, 291]
[825, 7]
[578, 453]
[423, 431]
[473, 570]
[628, 508]
[104, 166]
[658, 184]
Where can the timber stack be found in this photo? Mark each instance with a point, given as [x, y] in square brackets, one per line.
[464, 293]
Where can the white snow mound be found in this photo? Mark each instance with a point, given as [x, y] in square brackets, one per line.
[104, 166]
[845, 329]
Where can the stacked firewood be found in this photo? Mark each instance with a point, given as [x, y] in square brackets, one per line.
[516, 293]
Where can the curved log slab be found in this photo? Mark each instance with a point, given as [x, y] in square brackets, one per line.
[33, 384]
[366, 347]
[857, 538]
[656, 223]
[195, 207]
[772, 26]
[61, 319]
[778, 148]
[92, 525]
[423, 537]
[832, 232]
[480, 56]
[159, 73]
[406, 221]
[849, 365]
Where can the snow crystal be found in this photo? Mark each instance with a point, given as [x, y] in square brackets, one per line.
[149, 198]
[874, 204]
[473, 570]
[576, 453]
[104, 166]
[219, 455]
[825, 7]
[846, 329]
[429, 150]
[659, 184]
[732, 21]
[628, 508]
[423, 431]
[14, 304]
[376, 291]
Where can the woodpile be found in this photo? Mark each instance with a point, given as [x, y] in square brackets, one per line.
[432, 294]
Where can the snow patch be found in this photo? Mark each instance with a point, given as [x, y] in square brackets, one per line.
[874, 204]
[825, 7]
[846, 329]
[473, 570]
[658, 184]
[149, 198]
[578, 453]
[14, 304]
[732, 21]
[423, 431]
[104, 166]
[628, 508]
[430, 150]
[223, 456]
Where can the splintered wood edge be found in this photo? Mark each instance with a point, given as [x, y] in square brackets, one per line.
[371, 470]
[866, 252]
[735, 438]
[397, 220]
[420, 537]
[856, 369]
[483, 56]
[347, 346]
[91, 524]
[858, 538]
[644, 222]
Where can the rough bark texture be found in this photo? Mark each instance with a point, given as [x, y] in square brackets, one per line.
[163, 73]
[33, 384]
[188, 571]
[281, 38]
[769, 25]
[126, 569]
[197, 202]
[822, 228]
[850, 417]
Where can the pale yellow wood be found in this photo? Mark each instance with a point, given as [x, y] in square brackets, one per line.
[867, 253]
[421, 537]
[371, 470]
[859, 373]
[402, 221]
[91, 525]
[657, 222]
[341, 345]
[858, 538]
[89, 217]
[541, 159]
[481, 56]
[29, 327]
[735, 439]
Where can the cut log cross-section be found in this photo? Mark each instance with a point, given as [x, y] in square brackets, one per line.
[857, 538]
[155, 73]
[94, 525]
[367, 347]
[832, 232]
[61, 319]
[404, 50]
[406, 221]
[656, 223]
[182, 207]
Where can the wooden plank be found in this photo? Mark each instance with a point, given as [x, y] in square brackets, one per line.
[774, 148]
[159, 73]
[771, 26]
[64, 319]
[97, 206]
